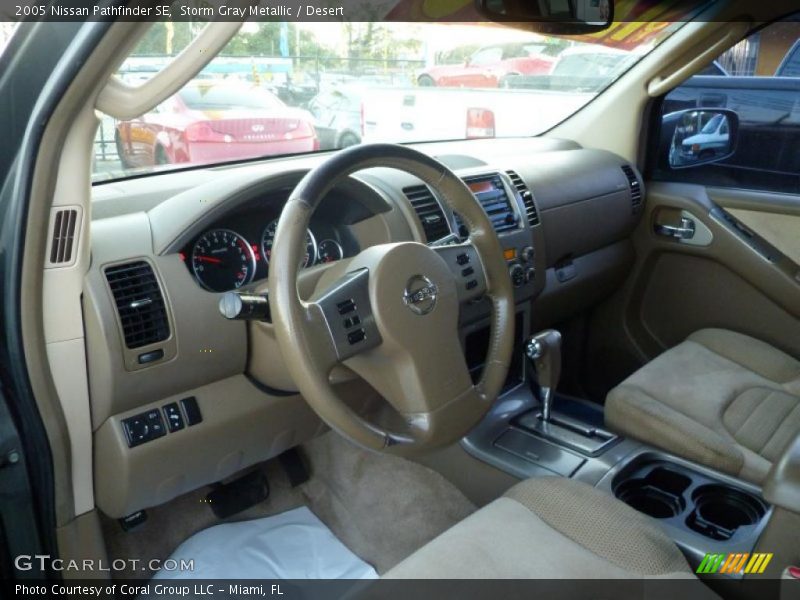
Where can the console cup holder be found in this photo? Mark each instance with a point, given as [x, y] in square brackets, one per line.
[689, 502]
[720, 510]
[658, 494]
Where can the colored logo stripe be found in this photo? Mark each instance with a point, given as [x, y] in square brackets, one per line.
[735, 563]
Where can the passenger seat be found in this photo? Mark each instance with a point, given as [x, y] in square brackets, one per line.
[720, 398]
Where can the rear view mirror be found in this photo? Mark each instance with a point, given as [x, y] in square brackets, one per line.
[700, 136]
[555, 16]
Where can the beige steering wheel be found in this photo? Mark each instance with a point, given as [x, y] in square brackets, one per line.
[392, 315]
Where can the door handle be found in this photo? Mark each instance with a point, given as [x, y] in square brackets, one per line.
[684, 231]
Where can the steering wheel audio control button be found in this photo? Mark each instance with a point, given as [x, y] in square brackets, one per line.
[346, 307]
[462, 259]
[356, 336]
[351, 322]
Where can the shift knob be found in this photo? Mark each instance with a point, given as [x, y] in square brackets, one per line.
[544, 349]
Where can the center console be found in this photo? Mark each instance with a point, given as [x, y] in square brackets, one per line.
[533, 432]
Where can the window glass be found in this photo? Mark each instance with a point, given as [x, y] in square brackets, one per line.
[486, 56]
[293, 88]
[763, 89]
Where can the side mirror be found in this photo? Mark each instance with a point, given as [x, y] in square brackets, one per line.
[566, 18]
[699, 136]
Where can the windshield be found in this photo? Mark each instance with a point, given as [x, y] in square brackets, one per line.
[293, 88]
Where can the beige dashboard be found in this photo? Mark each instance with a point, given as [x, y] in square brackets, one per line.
[186, 406]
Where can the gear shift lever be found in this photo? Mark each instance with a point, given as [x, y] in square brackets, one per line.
[544, 349]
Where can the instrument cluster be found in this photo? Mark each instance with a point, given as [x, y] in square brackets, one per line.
[228, 257]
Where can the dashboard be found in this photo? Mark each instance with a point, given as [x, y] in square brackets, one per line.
[177, 399]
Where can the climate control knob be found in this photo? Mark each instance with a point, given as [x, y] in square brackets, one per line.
[530, 274]
[517, 274]
[527, 253]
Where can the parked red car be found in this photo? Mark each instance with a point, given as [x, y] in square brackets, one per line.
[211, 122]
[488, 66]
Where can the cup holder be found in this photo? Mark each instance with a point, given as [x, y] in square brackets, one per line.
[720, 510]
[688, 502]
[658, 494]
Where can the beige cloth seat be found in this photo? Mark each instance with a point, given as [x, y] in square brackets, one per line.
[720, 398]
[549, 528]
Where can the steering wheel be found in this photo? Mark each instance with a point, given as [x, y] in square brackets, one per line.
[392, 313]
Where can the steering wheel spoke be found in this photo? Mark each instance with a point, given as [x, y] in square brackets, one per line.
[345, 309]
[464, 262]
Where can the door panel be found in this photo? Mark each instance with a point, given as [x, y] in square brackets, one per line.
[734, 281]
[686, 293]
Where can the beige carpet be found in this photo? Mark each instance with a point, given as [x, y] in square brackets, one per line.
[381, 507]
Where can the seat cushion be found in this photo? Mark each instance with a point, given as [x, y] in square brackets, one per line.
[720, 398]
[549, 528]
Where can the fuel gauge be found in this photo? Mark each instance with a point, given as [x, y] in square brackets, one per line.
[329, 251]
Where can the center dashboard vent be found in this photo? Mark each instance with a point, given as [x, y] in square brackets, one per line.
[429, 211]
[635, 187]
[140, 304]
[527, 198]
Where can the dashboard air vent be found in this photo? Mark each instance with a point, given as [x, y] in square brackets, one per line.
[636, 188]
[429, 212]
[527, 198]
[139, 303]
[63, 238]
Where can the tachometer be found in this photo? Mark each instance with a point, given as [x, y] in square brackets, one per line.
[268, 238]
[222, 260]
[329, 251]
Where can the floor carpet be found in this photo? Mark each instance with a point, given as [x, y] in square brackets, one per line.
[381, 507]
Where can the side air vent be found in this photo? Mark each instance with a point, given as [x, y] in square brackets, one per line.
[429, 212]
[527, 198]
[636, 188]
[62, 240]
[139, 303]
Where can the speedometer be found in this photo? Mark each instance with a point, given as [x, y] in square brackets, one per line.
[268, 239]
[222, 260]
